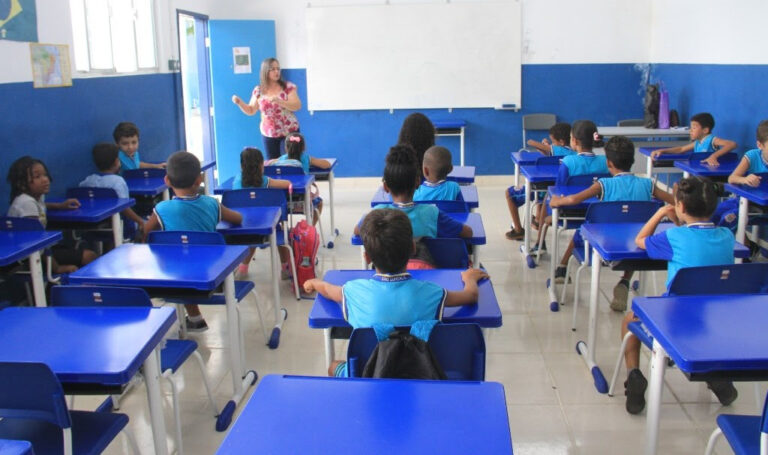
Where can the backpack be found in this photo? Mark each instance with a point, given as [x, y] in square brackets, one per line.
[404, 355]
[304, 241]
[651, 106]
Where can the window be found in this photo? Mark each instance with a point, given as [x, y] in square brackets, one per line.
[113, 35]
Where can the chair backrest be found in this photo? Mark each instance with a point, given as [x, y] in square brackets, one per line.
[584, 179]
[448, 253]
[631, 122]
[257, 197]
[276, 170]
[186, 237]
[99, 296]
[32, 391]
[143, 173]
[548, 160]
[91, 192]
[458, 348]
[622, 211]
[448, 206]
[721, 279]
[537, 122]
[10, 223]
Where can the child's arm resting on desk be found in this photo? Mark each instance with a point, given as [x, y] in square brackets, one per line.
[662, 195]
[319, 162]
[738, 177]
[279, 183]
[230, 215]
[563, 201]
[469, 294]
[723, 146]
[69, 204]
[143, 165]
[327, 290]
[642, 239]
[672, 150]
[543, 146]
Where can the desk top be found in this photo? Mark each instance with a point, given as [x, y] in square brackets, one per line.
[90, 210]
[300, 183]
[18, 245]
[15, 447]
[709, 333]
[192, 267]
[256, 220]
[449, 124]
[462, 174]
[294, 414]
[641, 131]
[319, 171]
[539, 174]
[758, 194]
[151, 186]
[468, 193]
[84, 344]
[473, 220]
[666, 157]
[327, 313]
[523, 157]
[697, 167]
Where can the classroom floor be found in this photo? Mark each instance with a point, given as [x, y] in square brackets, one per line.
[552, 404]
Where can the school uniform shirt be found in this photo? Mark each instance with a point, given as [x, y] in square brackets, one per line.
[25, 206]
[127, 163]
[196, 213]
[625, 187]
[237, 184]
[302, 162]
[705, 145]
[427, 220]
[694, 245]
[113, 181]
[757, 164]
[444, 190]
[581, 164]
[391, 299]
[561, 150]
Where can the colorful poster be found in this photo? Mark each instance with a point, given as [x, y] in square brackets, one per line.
[242, 60]
[50, 65]
[18, 20]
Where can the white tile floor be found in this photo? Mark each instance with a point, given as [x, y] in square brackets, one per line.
[552, 404]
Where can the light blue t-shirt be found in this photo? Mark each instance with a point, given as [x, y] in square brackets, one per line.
[705, 145]
[581, 164]
[444, 190]
[303, 162]
[695, 245]
[127, 163]
[625, 187]
[395, 299]
[427, 220]
[561, 150]
[113, 181]
[196, 213]
[757, 164]
[237, 184]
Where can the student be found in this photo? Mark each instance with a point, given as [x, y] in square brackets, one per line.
[436, 167]
[105, 157]
[391, 296]
[696, 242]
[754, 161]
[30, 182]
[703, 141]
[418, 132]
[621, 186]
[251, 175]
[189, 211]
[126, 136]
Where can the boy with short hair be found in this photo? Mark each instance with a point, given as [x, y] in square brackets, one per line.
[189, 211]
[126, 136]
[392, 296]
[436, 167]
[702, 139]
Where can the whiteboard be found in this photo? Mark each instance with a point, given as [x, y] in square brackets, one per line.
[414, 56]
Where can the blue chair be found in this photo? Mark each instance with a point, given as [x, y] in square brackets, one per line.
[747, 435]
[88, 192]
[448, 253]
[144, 173]
[275, 170]
[458, 348]
[102, 234]
[173, 354]
[708, 280]
[448, 206]
[542, 122]
[16, 447]
[33, 408]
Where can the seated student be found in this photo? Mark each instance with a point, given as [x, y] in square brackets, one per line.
[703, 141]
[696, 242]
[754, 161]
[437, 166]
[391, 296]
[621, 186]
[107, 162]
[189, 211]
[126, 136]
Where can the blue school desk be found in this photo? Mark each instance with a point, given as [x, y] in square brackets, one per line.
[463, 175]
[757, 195]
[326, 314]
[452, 128]
[301, 185]
[204, 167]
[13, 447]
[373, 416]
[536, 178]
[665, 164]
[19, 245]
[468, 193]
[717, 173]
[523, 157]
[147, 183]
[643, 132]
[326, 175]
[175, 271]
[92, 350]
[708, 337]
[90, 213]
[616, 242]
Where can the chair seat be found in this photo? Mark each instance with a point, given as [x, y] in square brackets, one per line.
[242, 288]
[175, 353]
[91, 432]
[742, 432]
[638, 329]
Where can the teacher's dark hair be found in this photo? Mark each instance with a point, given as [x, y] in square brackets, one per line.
[418, 132]
[264, 74]
[400, 173]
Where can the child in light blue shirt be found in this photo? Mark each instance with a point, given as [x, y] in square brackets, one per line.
[584, 138]
[436, 167]
[702, 141]
[126, 136]
[754, 161]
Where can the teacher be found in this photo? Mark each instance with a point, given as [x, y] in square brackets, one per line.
[277, 100]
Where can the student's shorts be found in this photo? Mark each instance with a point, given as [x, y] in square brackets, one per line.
[518, 195]
[67, 255]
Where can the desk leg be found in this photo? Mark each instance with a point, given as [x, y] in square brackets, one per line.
[526, 247]
[551, 286]
[329, 352]
[334, 231]
[207, 183]
[461, 146]
[587, 351]
[517, 175]
[280, 313]
[152, 380]
[166, 194]
[649, 167]
[741, 229]
[117, 230]
[308, 204]
[38, 284]
[658, 366]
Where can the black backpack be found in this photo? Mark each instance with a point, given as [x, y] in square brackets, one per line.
[403, 356]
[651, 106]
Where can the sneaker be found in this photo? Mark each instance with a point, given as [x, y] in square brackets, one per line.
[725, 392]
[241, 271]
[560, 275]
[196, 326]
[634, 389]
[515, 235]
[620, 296]
[535, 248]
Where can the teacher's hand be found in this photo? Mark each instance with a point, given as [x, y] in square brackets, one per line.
[236, 99]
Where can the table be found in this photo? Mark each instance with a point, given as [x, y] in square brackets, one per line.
[19, 245]
[301, 185]
[716, 173]
[523, 157]
[536, 178]
[207, 185]
[643, 132]
[90, 213]
[463, 175]
[175, 271]
[14, 447]
[665, 164]
[327, 175]
[147, 182]
[452, 128]
[110, 347]
[374, 416]
[708, 337]
[757, 195]
[468, 193]
[326, 314]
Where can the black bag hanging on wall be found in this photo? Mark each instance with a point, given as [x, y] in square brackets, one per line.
[651, 106]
